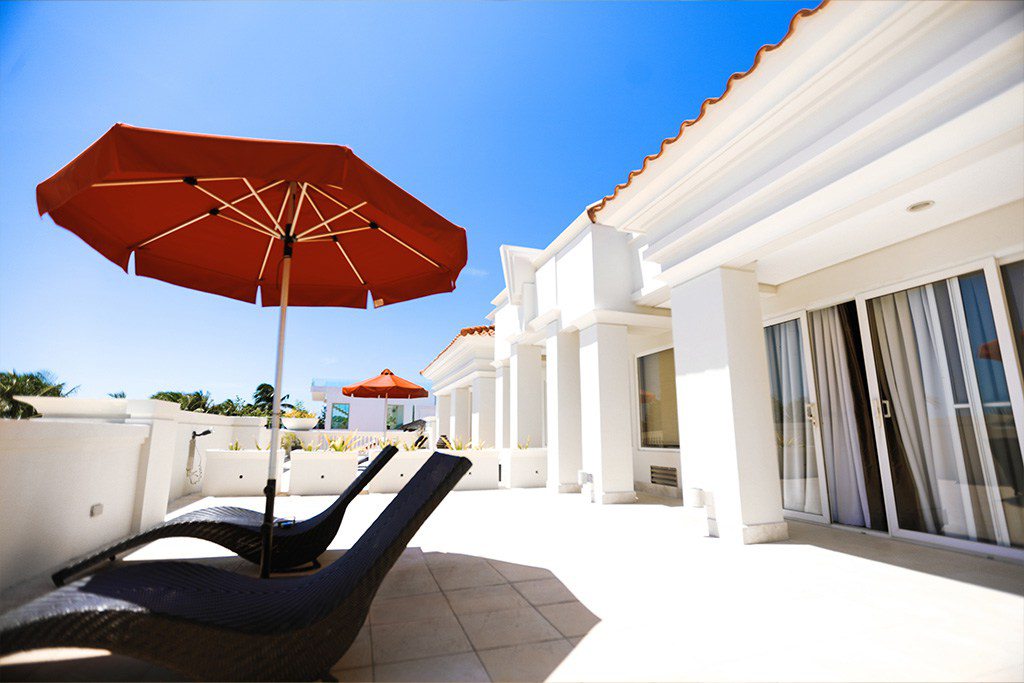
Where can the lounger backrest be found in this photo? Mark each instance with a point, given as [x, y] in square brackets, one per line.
[364, 566]
[337, 508]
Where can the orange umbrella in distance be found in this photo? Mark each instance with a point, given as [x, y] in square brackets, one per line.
[385, 385]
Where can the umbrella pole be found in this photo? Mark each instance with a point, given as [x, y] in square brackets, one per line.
[267, 528]
[385, 418]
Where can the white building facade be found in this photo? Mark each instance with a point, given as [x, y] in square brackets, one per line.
[367, 414]
[808, 305]
[463, 382]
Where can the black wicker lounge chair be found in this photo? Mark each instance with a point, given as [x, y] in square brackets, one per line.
[210, 624]
[238, 530]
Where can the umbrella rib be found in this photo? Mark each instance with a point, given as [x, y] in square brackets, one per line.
[199, 217]
[154, 181]
[263, 266]
[410, 248]
[341, 203]
[316, 209]
[231, 205]
[261, 231]
[263, 204]
[326, 223]
[328, 235]
[351, 265]
[295, 219]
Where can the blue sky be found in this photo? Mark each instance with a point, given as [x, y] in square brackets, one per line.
[507, 118]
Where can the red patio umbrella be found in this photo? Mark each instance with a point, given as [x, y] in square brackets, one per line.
[303, 224]
[385, 385]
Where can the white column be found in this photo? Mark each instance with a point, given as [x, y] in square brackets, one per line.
[565, 457]
[482, 420]
[156, 464]
[525, 407]
[501, 403]
[605, 404]
[444, 411]
[727, 440]
[459, 421]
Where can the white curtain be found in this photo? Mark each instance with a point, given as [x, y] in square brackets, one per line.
[794, 435]
[837, 413]
[911, 351]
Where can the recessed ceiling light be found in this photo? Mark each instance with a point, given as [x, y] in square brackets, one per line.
[921, 206]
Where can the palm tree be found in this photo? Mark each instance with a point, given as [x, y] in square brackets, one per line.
[196, 401]
[263, 398]
[39, 383]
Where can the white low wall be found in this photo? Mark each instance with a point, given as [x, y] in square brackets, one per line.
[322, 473]
[237, 473]
[404, 464]
[523, 468]
[55, 474]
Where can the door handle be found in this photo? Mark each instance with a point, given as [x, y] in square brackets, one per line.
[886, 410]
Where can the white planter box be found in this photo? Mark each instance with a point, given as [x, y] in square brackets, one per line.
[524, 468]
[398, 471]
[320, 473]
[484, 473]
[404, 464]
[237, 473]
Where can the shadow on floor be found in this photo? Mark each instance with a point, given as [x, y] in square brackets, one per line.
[999, 575]
[436, 617]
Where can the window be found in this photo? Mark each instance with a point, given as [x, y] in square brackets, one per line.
[395, 416]
[1013, 282]
[339, 416]
[659, 422]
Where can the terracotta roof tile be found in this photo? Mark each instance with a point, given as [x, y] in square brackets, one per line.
[592, 210]
[485, 330]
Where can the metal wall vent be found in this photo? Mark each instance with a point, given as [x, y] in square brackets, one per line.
[664, 476]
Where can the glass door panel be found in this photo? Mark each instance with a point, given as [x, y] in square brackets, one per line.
[852, 474]
[953, 450]
[793, 412]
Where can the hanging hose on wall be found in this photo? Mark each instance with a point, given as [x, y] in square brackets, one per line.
[194, 473]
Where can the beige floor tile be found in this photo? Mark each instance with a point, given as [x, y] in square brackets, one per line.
[469, 575]
[544, 591]
[460, 667]
[520, 572]
[363, 674]
[417, 639]
[572, 619]
[437, 560]
[409, 608]
[529, 662]
[407, 581]
[507, 627]
[359, 654]
[485, 599]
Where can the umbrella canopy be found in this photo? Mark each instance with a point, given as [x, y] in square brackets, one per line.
[385, 385]
[299, 223]
[216, 213]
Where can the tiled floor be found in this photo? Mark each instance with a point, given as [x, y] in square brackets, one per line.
[437, 617]
[527, 585]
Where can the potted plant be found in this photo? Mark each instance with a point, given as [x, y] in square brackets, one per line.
[298, 419]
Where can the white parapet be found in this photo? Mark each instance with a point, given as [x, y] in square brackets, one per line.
[69, 488]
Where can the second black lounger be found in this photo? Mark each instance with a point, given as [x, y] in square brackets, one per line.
[210, 624]
[238, 530]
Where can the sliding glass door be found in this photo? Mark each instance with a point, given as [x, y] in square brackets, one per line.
[853, 479]
[795, 413]
[944, 412]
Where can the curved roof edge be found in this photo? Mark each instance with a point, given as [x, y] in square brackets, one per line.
[593, 209]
